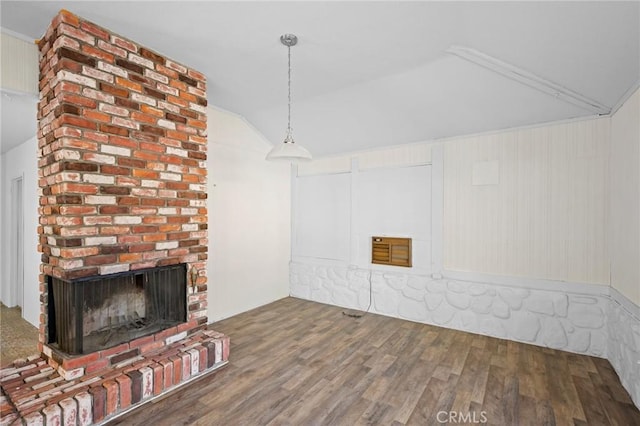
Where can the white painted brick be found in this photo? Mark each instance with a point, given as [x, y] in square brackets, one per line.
[141, 61]
[177, 169]
[168, 89]
[197, 187]
[218, 351]
[189, 211]
[144, 99]
[52, 415]
[198, 107]
[166, 245]
[100, 158]
[71, 374]
[195, 361]
[169, 106]
[107, 180]
[85, 412]
[119, 121]
[177, 151]
[147, 382]
[64, 75]
[115, 150]
[65, 154]
[156, 76]
[167, 193]
[104, 66]
[144, 192]
[100, 199]
[170, 176]
[112, 109]
[69, 408]
[64, 41]
[167, 210]
[176, 66]
[190, 227]
[167, 124]
[112, 269]
[98, 95]
[96, 241]
[70, 263]
[150, 183]
[127, 220]
[97, 74]
[196, 91]
[33, 419]
[176, 337]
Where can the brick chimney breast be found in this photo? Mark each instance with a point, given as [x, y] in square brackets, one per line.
[122, 152]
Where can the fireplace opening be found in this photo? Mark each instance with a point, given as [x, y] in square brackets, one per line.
[94, 313]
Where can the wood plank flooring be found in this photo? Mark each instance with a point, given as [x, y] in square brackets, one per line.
[295, 362]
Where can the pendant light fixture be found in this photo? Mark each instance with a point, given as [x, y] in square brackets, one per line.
[289, 150]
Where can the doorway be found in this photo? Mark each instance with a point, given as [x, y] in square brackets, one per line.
[17, 239]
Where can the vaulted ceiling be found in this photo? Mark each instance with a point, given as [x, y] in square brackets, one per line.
[370, 74]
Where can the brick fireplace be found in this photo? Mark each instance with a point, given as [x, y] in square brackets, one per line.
[122, 175]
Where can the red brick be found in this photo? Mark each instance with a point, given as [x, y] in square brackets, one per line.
[99, 395]
[107, 128]
[226, 347]
[96, 116]
[141, 341]
[114, 90]
[167, 367]
[136, 386]
[177, 369]
[144, 118]
[150, 347]
[124, 385]
[98, 53]
[125, 142]
[98, 365]
[158, 379]
[129, 257]
[80, 361]
[67, 17]
[202, 358]
[151, 110]
[95, 30]
[112, 396]
[129, 84]
[78, 122]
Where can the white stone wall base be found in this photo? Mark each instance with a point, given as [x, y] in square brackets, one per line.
[590, 324]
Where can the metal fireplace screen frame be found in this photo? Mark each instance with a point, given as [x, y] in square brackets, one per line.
[94, 313]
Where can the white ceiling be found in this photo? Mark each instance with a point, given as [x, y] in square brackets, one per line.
[369, 74]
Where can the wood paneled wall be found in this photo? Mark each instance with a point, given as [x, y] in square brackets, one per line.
[546, 214]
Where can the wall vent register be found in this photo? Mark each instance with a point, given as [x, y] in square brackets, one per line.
[391, 251]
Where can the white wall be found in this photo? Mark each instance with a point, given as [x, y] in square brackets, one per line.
[545, 212]
[21, 161]
[340, 203]
[625, 199]
[249, 219]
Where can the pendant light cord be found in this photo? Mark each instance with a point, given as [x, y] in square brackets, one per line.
[289, 85]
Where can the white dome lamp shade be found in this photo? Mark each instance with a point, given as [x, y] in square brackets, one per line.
[288, 150]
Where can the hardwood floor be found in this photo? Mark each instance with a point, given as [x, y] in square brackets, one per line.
[295, 362]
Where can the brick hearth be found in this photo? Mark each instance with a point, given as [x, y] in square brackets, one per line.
[122, 174]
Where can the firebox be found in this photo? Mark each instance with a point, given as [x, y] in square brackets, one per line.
[95, 313]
